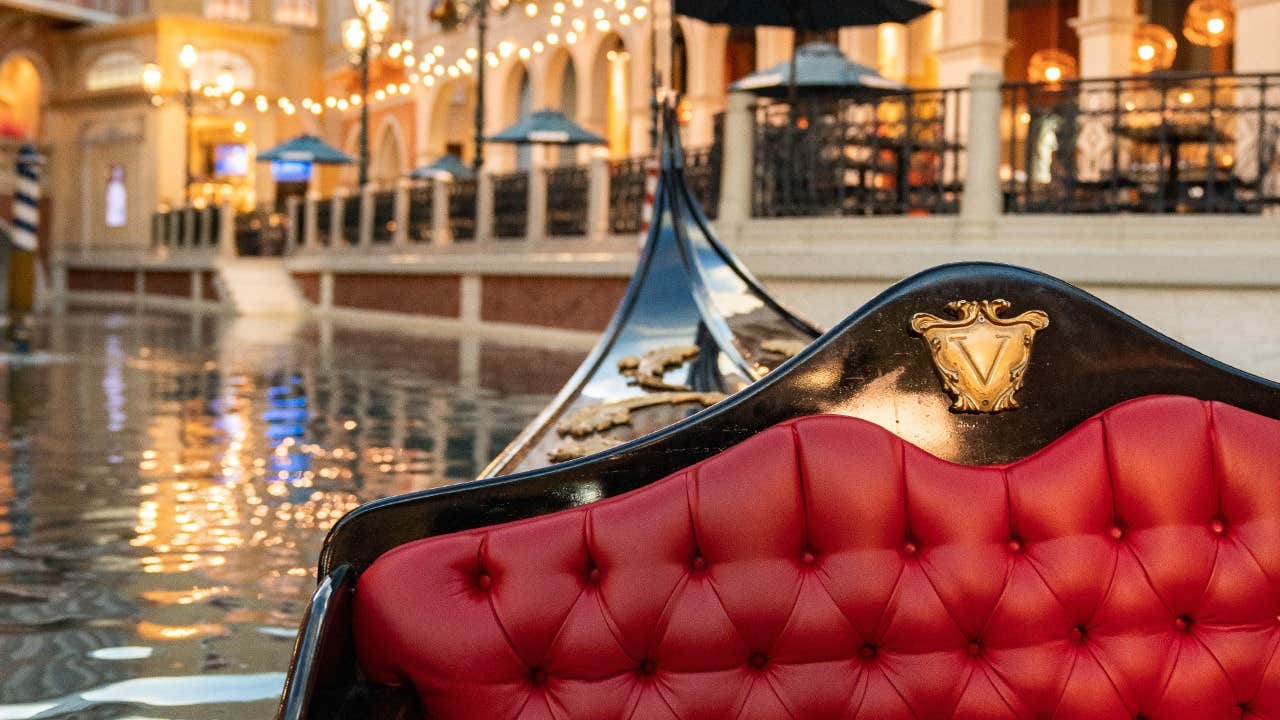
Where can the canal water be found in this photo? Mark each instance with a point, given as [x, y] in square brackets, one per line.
[166, 481]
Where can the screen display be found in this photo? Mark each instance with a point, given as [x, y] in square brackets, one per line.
[290, 170]
[231, 160]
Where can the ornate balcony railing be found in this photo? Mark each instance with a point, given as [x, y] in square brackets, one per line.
[702, 171]
[567, 189]
[384, 216]
[1150, 144]
[510, 205]
[421, 212]
[626, 195]
[462, 210]
[260, 233]
[351, 219]
[897, 154]
[324, 222]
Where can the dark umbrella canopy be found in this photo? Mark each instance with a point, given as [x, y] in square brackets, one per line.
[306, 148]
[803, 15]
[447, 163]
[547, 127]
[820, 69]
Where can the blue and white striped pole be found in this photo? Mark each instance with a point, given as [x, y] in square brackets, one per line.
[22, 259]
[26, 199]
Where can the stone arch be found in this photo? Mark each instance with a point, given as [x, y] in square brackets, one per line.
[451, 124]
[512, 99]
[611, 93]
[211, 63]
[388, 153]
[559, 88]
[24, 92]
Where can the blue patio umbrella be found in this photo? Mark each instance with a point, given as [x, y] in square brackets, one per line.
[820, 69]
[547, 127]
[447, 163]
[306, 148]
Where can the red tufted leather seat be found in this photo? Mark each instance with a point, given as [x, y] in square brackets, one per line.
[826, 569]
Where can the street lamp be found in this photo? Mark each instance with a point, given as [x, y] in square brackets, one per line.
[359, 35]
[188, 56]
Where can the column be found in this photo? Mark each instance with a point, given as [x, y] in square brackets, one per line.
[227, 231]
[400, 211]
[737, 170]
[598, 197]
[292, 220]
[366, 216]
[861, 45]
[336, 237]
[441, 232]
[1256, 48]
[484, 206]
[536, 227]
[310, 230]
[974, 37]
[980, 205]
[1105, 29]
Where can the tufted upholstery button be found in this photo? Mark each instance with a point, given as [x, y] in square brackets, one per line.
[1078, 633]
[1015, 545]
[483, 580]
[593, 575]
[698, 563]
[537, 676]
[758, 660]
[868, 651]
[1182, 622]
[1117, 532]
[975, 648]
[808, 558]
[909, 548]
[1242, 709]
[1218, 527]
[647, 667]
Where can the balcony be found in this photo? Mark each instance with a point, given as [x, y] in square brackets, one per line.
[89, 12]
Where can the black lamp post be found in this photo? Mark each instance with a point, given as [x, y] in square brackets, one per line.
[360, 35]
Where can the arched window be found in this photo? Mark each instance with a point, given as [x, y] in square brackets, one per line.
[226, 9]
[213, 63]
[301, 13]
[114, 70]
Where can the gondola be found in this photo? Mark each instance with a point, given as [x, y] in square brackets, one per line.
[693, 327]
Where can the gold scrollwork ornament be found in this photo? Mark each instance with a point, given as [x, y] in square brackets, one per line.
[981, 357]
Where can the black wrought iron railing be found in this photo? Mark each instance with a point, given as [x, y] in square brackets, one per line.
[421, 212]
[259, 233]
[626, 195]
[510, 205]
[462, 210]
[351, 219]
[384, 216]
[702, 172]
[324, 221]
[567, 192]
[896, 154]
[1158, 143]
[212, 220]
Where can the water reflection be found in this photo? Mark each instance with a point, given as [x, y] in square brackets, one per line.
[166, 481]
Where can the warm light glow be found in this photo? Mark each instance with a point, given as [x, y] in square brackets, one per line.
[239, 127]
[1053, 73]
[393, 52]
[531, 9]
[237, 98]
[1216, 26]
[151, 77]
[640, 12]
[353, 34]
[1154, 48]
[363, 6]
[1050, 66]
[1209, 22]
[188, 56]
[379, 20]
[1146, 51]
[1185, 97]
[226, 81]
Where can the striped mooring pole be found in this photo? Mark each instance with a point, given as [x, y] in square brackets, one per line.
[26, 226]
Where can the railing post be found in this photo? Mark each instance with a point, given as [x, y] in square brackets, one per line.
[203, 239]
[171, 232]
[536, 220]
[366, 216]
[484, 206]
[441, 232]
[337, 237]
[980, 203]
[188, 227]
[737, 168]
[291, 224]
[227, 230]
[598, 197]
[400, 213]
[310, 229]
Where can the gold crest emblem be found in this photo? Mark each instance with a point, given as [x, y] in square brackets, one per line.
[981, 357]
